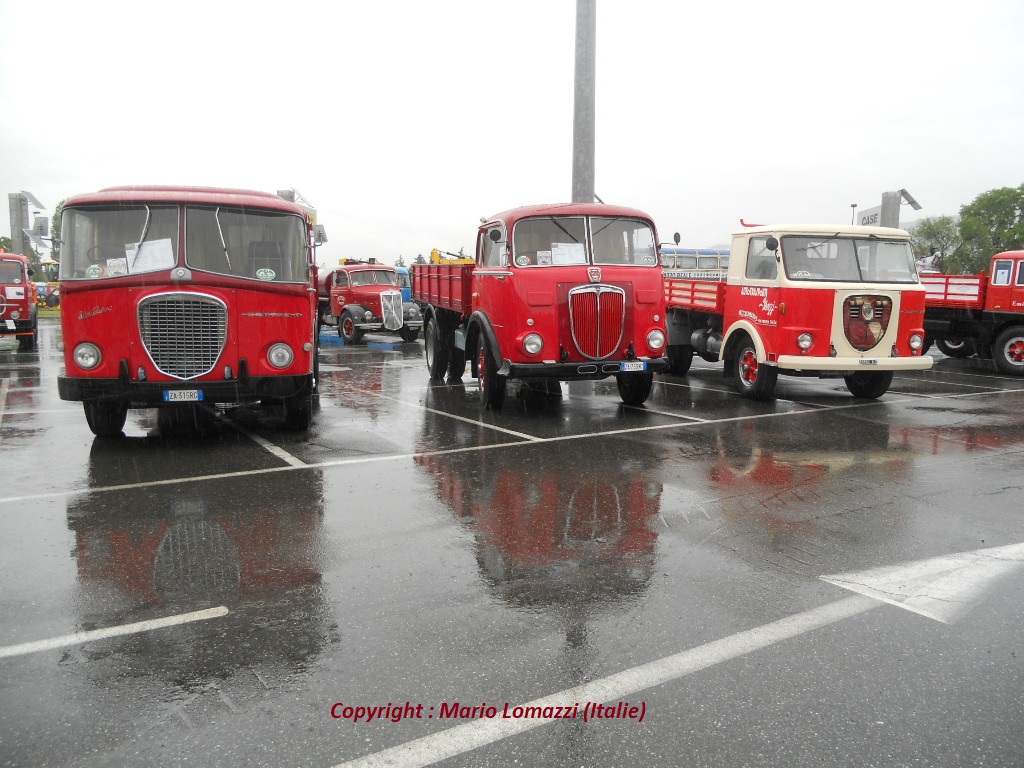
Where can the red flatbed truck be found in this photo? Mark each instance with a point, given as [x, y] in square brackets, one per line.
[825, 301]
[18, 301]
[185, 295]
[557, 293]
[983, 313]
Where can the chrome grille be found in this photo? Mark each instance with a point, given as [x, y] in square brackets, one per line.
[597, 316]
[391, 309]
[184, 333]
[865, 320]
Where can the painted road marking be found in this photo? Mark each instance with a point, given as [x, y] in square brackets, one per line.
[99, 634]
[262, 442]
[941, 588]
[4, 384]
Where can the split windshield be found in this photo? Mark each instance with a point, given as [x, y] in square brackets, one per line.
[374, 277]
[568, 240]
[114, 241]
[10, 272]
[848, 259]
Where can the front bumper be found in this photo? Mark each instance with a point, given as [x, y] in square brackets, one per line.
[377, 324]
[20, 327]
[582, 370]
[851, 364]
[142, 394]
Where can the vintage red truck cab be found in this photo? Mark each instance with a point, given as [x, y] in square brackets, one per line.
[364, 296]
[189, 295]
[981, 313]
[557, 292]
[825, 301]
[18, 301]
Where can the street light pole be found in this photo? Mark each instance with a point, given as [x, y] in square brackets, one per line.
[853, 213]
[583, 113]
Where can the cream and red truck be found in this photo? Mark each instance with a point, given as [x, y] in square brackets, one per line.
[178, 296]
[556, 293]
[823, 301]
[981, 313]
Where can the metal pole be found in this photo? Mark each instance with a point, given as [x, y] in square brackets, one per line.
[583, 114]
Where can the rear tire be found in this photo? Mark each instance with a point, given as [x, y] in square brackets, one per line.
[754, 380]
[409, 334]
[1008, 351]
[105, 419]
[347, 328]
[959, 348]
[456, 364]
[868, 385]
[634, 388]
[492, 386]
[436, 350]
[680, 358]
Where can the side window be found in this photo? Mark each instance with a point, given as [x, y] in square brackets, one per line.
[491, 253]
[1001, 272]
[1020, 272]
[341, 278]
[761, 264]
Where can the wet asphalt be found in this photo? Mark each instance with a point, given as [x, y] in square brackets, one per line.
[415, 550]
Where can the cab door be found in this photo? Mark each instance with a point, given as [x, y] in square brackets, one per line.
[1002, 285]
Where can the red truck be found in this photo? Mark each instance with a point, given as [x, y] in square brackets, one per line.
[18, 301]
[187, 295]
[980, 313]
[557, 292]
[361, 296]
[836, 301]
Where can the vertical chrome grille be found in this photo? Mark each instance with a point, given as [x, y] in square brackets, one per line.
[597, 317]
[184, 333]
[391, 309]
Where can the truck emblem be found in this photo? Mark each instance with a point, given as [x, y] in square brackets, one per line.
[594, 273]
[265, 274]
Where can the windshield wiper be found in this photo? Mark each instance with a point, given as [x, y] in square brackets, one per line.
[555, 222]
[223, 244]
[142, 238]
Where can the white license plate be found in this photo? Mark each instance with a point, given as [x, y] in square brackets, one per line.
[634, 365]
[9, 324]
[183, 395]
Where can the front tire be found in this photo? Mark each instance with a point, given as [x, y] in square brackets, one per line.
[409, 334]
[959, 348]
[347, 328]
[634, 388]
[680, 358]
[1008, 351]
[492, 386]
[105, 419]
[298, 411]
[436, 350]
[868, 385]
[754, 380]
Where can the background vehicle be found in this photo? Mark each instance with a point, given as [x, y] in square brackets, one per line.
[18, 301]
[804, 301]
[366, 296]
[189, 295]
[557, 292]
[965, 314]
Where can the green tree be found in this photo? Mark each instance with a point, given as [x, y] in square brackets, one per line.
[419, 259]
[992, 223]
[400, 262]
[58, 213]
[937, 233]
[5, 244]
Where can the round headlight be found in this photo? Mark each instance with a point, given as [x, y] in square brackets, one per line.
[533, 343]
[87, 356]
[280, 355]
[656, 339]
[368, 315]
[867, 312]
[916, 342]
[804, 341]
[414, 311]
[15, 314]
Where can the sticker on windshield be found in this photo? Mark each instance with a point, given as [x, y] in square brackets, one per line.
[265, 274]
[522, 260]
[650, 260]
[94, 270]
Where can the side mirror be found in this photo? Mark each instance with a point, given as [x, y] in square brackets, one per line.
[771, 244]
[495, 235]
[319, 234]
[676, 238]
[31, 271]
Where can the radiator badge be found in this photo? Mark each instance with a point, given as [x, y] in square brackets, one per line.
[594, 273]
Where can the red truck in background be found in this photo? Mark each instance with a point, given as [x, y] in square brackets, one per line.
[981, 313]
[361, 296]
[18, 301]
[805, 301]
[557, 292]
[187, 295]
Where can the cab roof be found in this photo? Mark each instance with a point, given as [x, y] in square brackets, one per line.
[180, 194]
[822, 230]
[513, 215]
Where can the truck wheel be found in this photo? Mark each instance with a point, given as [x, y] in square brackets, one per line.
[1008, 351]
[347, 328]
[634, 388]
[955, 347]
[456, 364]
[753, 380]
[680, 358]
[436, 350]
[298, 411]
[409, 334]
[868, 385]
[105, 419]
[492, 386]
[28, 343]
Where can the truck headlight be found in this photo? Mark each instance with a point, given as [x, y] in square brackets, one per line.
[15, 314]
[533, 344]
[87, 356]
[656, 339]
[916, 342]
[280, 355]
[414, 311]
[804, 341]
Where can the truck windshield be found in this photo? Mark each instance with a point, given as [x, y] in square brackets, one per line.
[374, 277]
[112, 241]
[243, 242]
[848, 259]
[562, 241]
[10, 272]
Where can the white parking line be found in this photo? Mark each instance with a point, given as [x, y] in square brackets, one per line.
[98, 634]
[4, 384]
[263, 443]
[478, 733]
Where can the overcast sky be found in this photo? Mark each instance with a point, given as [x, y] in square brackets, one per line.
[405, 122]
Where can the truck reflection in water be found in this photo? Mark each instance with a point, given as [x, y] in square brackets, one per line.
[146, 553]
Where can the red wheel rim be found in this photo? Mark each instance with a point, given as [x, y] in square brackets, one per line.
[748, 366]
